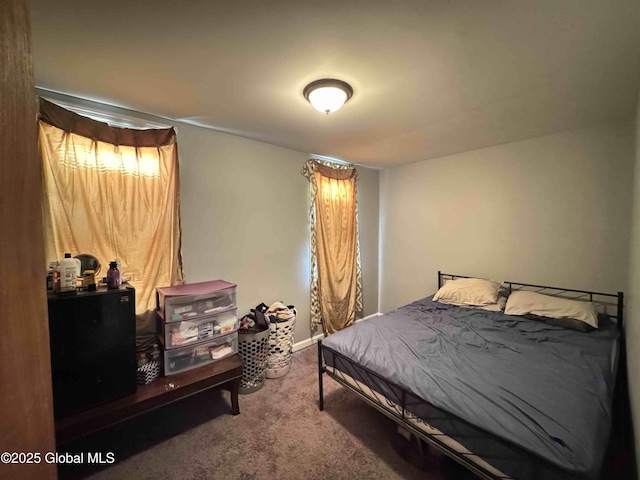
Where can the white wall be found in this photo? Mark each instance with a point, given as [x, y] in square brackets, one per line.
[245, 218]
[553, 210]
[633, 300]
[368, 228]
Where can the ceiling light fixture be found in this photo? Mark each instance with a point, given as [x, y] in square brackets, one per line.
[327, 95]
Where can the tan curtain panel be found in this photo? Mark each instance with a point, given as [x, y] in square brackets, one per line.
[336, 275]
[112, 193]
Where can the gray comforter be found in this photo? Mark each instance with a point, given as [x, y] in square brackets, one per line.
[542, 387]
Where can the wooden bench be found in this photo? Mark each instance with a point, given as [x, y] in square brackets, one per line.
[163, 391]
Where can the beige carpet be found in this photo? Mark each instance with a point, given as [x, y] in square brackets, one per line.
[279, 434]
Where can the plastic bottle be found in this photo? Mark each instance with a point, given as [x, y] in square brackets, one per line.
[56, 277]
[119, 267]
[113, 276]
[142, 360]
[155, 354]
[68, 272]
[50, 277]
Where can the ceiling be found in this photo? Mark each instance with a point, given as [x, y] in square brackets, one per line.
[430, 77]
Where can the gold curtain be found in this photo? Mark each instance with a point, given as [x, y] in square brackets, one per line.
[336, 275]
[112, 193]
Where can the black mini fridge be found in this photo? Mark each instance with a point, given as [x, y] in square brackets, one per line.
[93, 347]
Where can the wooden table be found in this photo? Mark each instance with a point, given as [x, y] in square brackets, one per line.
[161, 392]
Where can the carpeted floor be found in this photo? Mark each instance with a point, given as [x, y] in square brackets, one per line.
[279, 434]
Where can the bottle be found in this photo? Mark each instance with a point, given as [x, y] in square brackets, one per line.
[155, 354]
[56, 277]
[119, 267]
[68, 273]
[113, 276]
[50, 277]
[142, 360]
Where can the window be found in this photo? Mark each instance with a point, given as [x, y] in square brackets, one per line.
[113, 193]
[336, 275]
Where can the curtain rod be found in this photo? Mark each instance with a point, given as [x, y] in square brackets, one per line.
[102, 112]
[331, 160]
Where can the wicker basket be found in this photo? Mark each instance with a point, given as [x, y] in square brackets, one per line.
[254, 349]
[280, 348]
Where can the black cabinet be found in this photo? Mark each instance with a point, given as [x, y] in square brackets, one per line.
[93, 347]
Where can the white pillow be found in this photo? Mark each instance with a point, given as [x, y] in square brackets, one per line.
[495, 307]
[468, 292]
[523, 302]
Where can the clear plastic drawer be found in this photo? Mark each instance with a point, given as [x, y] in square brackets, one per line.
[185, 302]
[187, 332]
[186, 358]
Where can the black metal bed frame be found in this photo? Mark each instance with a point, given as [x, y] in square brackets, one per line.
[405, 408]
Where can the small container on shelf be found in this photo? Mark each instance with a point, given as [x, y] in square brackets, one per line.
[50, 280]
[113, 276]
[89, 280]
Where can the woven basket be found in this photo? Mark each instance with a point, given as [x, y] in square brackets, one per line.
[280, 348]
[254, 350]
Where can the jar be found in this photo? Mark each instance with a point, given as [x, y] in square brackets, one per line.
[88, 278]
[113, 276]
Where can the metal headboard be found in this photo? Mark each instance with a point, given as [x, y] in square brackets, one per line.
[611, 304]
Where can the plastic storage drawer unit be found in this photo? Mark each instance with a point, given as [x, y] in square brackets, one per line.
[187, 332]
[185, 302]
[185, 358]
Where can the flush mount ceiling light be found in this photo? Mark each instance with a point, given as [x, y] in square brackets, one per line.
[327, 95]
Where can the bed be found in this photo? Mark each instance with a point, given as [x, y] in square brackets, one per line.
[505, 396]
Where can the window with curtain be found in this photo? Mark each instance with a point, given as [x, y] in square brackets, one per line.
[336, 274]
[113, 193]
